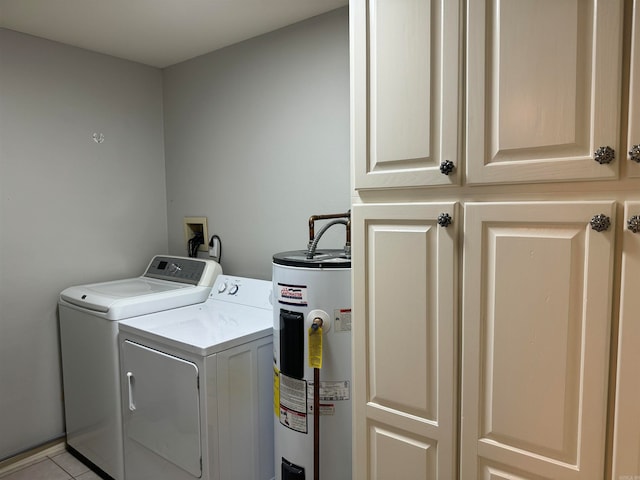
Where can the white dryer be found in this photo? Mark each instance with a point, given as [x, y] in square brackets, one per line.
[197, 392]
[89, 318]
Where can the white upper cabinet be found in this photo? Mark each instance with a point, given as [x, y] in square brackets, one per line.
[543, 90]
[405, 91]
[633, 137]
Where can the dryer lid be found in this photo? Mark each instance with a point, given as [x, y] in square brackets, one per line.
[203, 329]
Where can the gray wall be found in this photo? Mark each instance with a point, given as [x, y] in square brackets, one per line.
[71, 210]
[257, 140]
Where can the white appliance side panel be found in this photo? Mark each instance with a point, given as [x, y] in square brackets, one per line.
[162, 405]
[266, 467]
[92, 388]
[245, 396]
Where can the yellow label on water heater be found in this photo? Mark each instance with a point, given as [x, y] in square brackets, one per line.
[315, 347]
[276, 391]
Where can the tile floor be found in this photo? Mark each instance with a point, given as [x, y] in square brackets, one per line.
[60, 466]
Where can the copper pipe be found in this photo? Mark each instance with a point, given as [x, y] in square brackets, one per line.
[316, 424]
[313, 218]
[349, 231]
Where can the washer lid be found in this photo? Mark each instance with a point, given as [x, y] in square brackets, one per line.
[134, 296]
[169, 282]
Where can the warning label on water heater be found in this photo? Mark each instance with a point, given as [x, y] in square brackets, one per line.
[292, 294]
[329, 392]
[342, 320]
[293, 403]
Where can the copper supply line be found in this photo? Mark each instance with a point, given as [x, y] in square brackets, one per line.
[316, 424]
[337, 218]
[317, 323]
[314, 218]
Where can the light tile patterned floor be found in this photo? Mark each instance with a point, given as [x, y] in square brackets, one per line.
[61, 466]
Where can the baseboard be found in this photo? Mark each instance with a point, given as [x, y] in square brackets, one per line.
[32, 456]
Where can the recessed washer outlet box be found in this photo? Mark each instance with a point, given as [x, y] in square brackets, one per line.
[193, 225]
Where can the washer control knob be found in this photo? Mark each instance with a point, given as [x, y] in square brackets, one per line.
[222, 287]
[174, 268]
[234, 289]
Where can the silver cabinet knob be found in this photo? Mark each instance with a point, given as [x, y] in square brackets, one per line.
[447, 167]
[633, 224]
[600, 223]
[604, 155]
[634, 153]
[444, 220]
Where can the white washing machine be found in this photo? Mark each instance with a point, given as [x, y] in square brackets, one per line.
[197, 392]
[89, 318]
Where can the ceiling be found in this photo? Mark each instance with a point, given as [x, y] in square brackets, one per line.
[155, 32]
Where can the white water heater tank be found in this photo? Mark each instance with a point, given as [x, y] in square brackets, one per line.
[306, 290]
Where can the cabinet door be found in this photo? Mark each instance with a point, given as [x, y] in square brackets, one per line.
[626, 443]
[543, 89]
[405, 345]
[405, 89]
[535, 340]
[633, 140]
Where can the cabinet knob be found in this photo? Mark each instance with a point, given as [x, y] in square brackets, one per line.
[634, 153]
[600, 222]
[604, 155]
[633, 224]
[444, 220]
[446, 167]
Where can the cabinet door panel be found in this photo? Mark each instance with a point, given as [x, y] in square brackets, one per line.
[633, 168]
[626, 443]
[404, 340]
[405, 111]
[543, 89]
[536, 319]
[397, 455]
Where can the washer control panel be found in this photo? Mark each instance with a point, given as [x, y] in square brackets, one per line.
[176, 269]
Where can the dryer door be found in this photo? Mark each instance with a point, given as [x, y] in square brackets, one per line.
[162, 405]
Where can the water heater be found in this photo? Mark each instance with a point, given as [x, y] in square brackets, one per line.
[312, 361]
